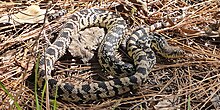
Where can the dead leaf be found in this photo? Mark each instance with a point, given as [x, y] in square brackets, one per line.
[33, 14]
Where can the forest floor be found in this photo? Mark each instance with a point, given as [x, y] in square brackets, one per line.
[190, 82]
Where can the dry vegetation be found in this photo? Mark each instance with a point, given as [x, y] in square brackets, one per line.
[191, 82]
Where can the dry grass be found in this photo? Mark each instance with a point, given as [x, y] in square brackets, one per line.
[191, 82]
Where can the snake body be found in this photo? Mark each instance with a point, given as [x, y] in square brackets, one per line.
[138, 46]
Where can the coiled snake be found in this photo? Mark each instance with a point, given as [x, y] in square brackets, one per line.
[138, 46]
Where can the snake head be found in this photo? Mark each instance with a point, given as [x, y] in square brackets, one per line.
[160, 45]
[172, 52]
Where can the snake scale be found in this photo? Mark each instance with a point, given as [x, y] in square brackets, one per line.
[139, 48]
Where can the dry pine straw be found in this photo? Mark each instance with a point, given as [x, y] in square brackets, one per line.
[193, 79]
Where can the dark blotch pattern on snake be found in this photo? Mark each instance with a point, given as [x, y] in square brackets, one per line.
[138, 46]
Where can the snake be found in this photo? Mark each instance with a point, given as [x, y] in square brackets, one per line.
[139, 47]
